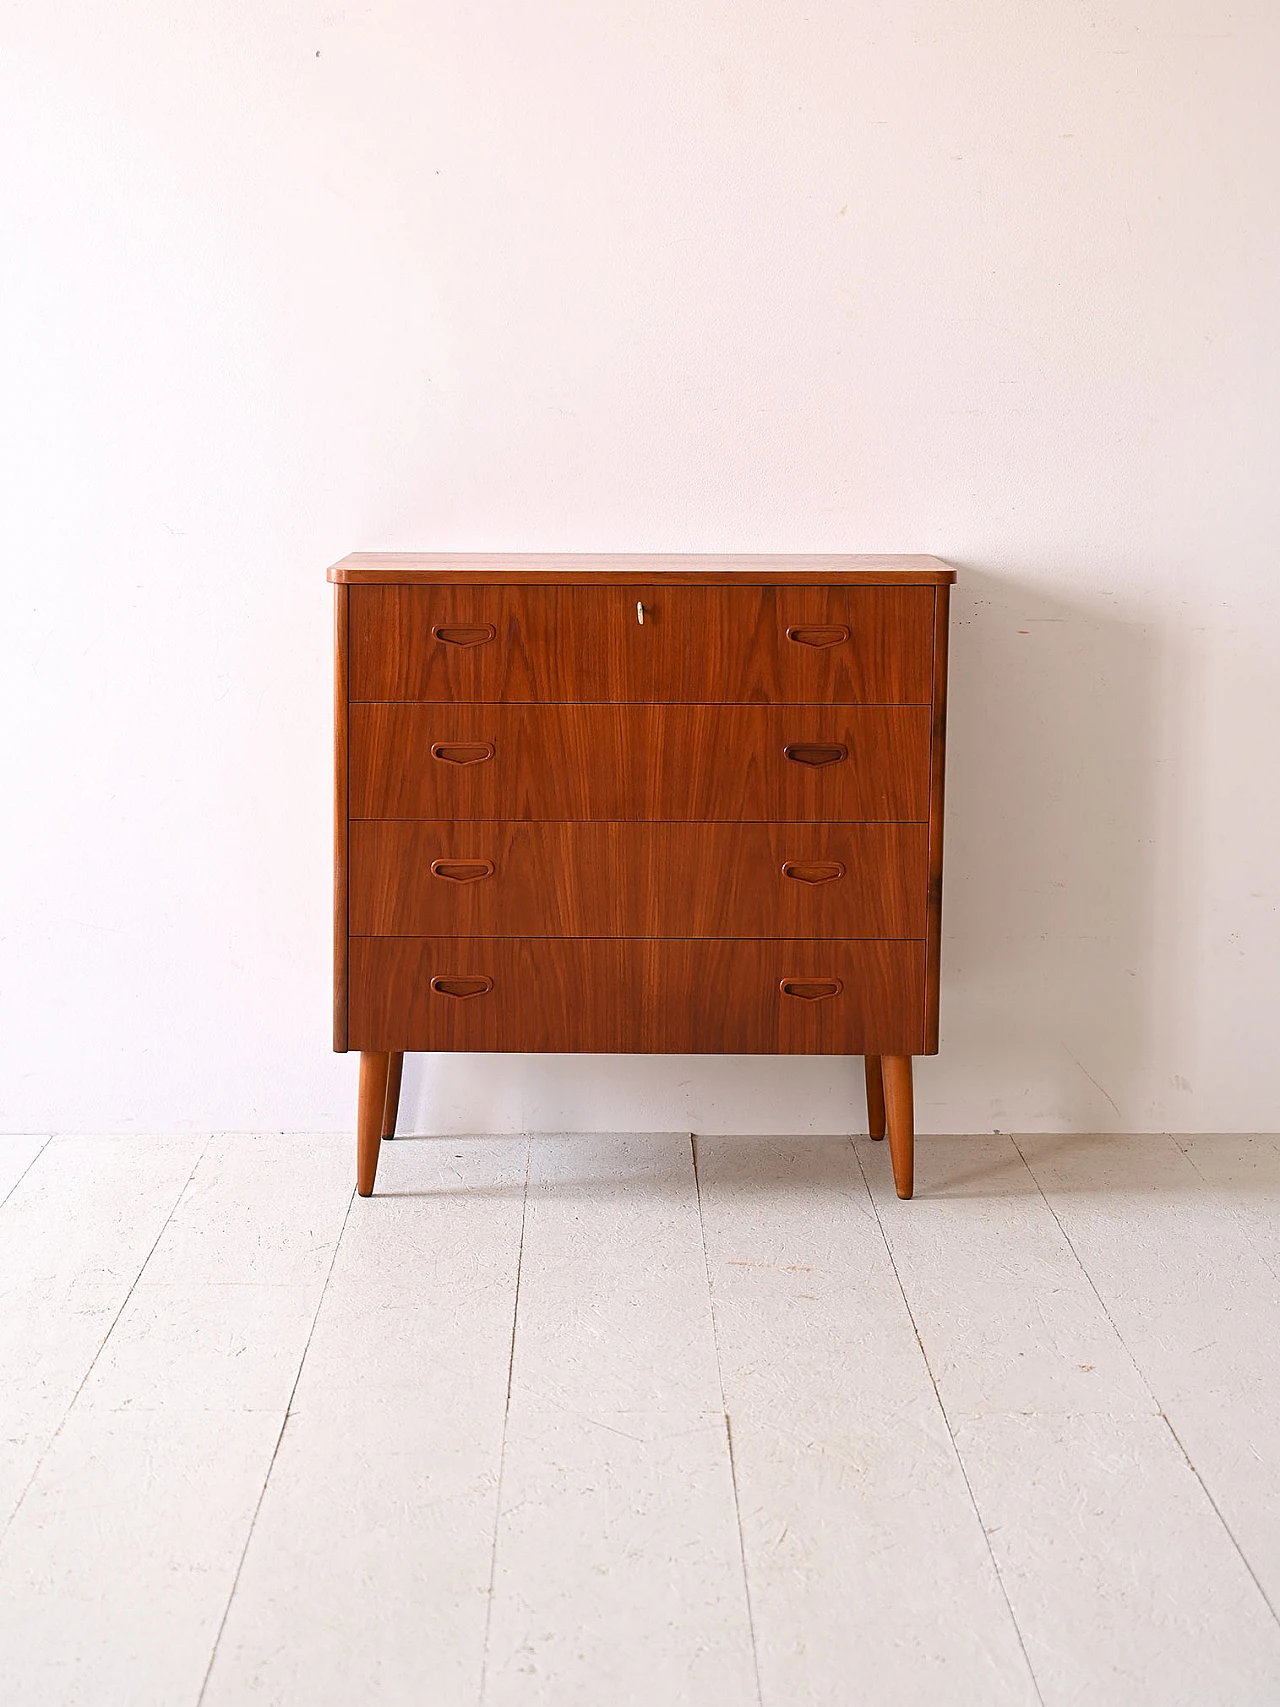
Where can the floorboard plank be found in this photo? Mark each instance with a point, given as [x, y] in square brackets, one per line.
[1188, 1273]
[1243, 1171]
[1008, 1318]
[17, 1152]
[138, 1515]
[1125, 1585]
[1122, 1579]
[1100, 1327]
[115, 1573]
[618, 1573]
[74, 1235]
[367, 1576]
[871, 1582]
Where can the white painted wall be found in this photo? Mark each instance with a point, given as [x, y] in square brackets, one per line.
[996, 280]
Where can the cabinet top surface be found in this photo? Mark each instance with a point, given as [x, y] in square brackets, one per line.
[565, 568]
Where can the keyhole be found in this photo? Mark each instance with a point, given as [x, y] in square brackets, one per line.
[639, 613]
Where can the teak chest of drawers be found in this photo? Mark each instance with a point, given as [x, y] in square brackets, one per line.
[675, 805]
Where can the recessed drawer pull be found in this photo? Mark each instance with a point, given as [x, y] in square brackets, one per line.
[466, 634]
[462, 752]
[816, 753]
[811, 989]
[462, 870]
[812, 870]
[462, 989]
[818, 634]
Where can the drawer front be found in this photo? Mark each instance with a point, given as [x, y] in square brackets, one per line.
[798, 763]
[574, 995]
[535, 645]
[638, 880]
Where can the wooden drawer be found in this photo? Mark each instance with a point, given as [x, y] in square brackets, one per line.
[638, 880]
[798, 763]
[601, 995]
[870, 645]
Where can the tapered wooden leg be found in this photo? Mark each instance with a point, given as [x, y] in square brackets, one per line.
[900, 1109]
[373, 1099]
[875, 1095]
[391, 1107]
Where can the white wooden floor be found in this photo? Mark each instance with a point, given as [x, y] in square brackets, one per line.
[628, 1420]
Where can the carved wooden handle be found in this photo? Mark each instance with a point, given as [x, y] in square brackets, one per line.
[461, 989]
[812, 870]
[811, 989]
[465, 633]
[462, 752]
[462, 870]
[816, 752]
[818, 634]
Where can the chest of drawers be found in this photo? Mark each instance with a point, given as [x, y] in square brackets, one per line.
[675, 805]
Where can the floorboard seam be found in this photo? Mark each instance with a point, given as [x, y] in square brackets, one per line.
[506, 1415]
[942, 1411]
[275, 1452]
[1079, 1262]
[728, 1426]
[1142, 1375]
[1220, 1197]
[124, 1304]
[31, 1164]
[1244, 1560]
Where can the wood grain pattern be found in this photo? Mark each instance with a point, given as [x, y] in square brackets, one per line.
[391, 1107]
[937, 780]
[642, 804]
[874, 1075]
[341, 651]
[633, 763]
[600, 995]
[628, 569]
[642, 880]
[900, 1114]
[696, 644]
[372, 1101]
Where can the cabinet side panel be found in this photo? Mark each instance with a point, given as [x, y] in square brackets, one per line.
[340, 775]
[937, 777]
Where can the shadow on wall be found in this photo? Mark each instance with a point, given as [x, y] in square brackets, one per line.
[1067, 899]
[1066, 890]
